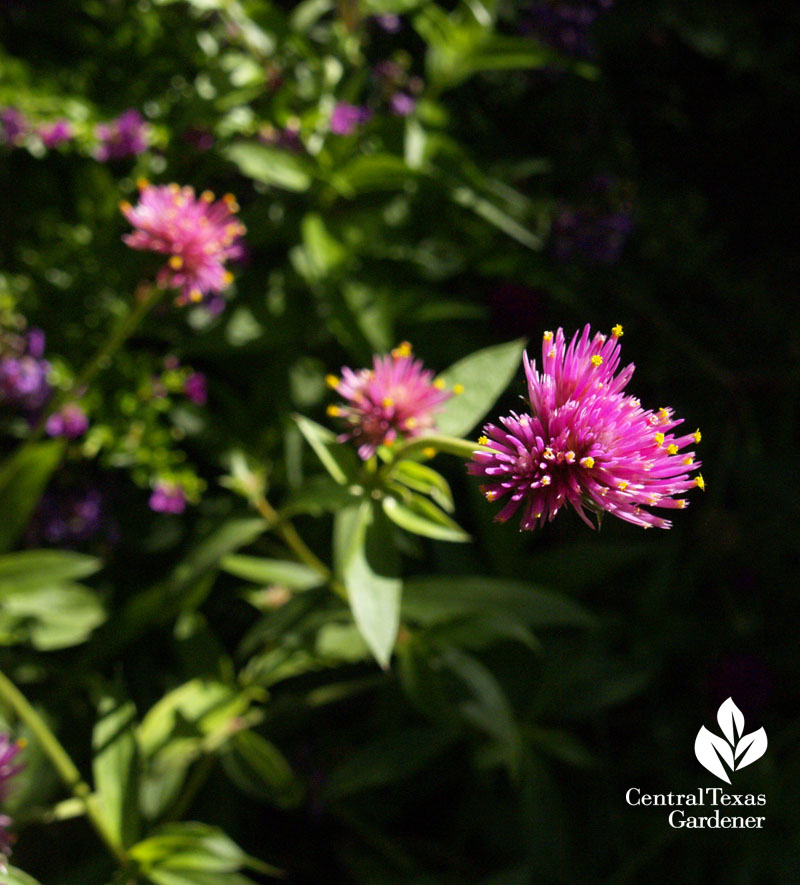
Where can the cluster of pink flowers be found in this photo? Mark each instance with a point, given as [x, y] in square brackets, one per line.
[585, 442]
[9, 768]
[397, 397]
[125, 136]
[199, 234]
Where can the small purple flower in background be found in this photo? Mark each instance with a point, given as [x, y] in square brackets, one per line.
[397, 397]
[69, 517]
[23, 372]
[346, 118]
[585, 443]
[69, 421]
[168, 498]
[9, 769]
[13, 126]
[565, 26]
[388, 22]
[56, 133]
[402, 104]
[597, 229]
[196, 388]
[126, 136]
[198, 234]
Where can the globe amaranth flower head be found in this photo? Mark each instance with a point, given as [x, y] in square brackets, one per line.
[126, 136]
[397, 397]
[9, 768]
[585, 442]
[198, 233]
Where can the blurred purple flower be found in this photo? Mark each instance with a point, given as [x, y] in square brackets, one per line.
[388, 22]
[198, 138]
[168, 498]
[68, 517]
[196, 388]
[70, 421]
[346, 118]
[124, 137]
[402, 104]
[13, 125]
[23, 372]
[565, 26]
[56, 133]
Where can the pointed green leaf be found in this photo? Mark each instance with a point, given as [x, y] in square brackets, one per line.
[339, 460]
[424, 479]
[270, 166]
[115, 767]
[420, 516]
[294, 575]
[259, 769]
[34, 568]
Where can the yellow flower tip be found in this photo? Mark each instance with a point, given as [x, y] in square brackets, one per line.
[548, 336]
[231, 202]
[176, 262]
[332, 381]
[700, 482]
[697, 436]
[623, 485]
[207, 196]
[125, 206]
[688, 460]
[682, 503]
[196, 296]
[429, 452]
[227, 278]
[490, 495]
[483, 440]
[596, 360]
[411, 423]
[22, 743]
[172, 188]
[588, 462]
[333, 411]
[387, 402]
[546, 480]
[617, 331]
[402, 349]
[142, 183]
[672, 449]
[439, 384]
[458, 389]
[663, 414]
[659, 439]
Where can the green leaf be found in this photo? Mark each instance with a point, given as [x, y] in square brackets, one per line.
[339, 460]
[197, 877]
[116, 768]
[484, 375]
[420, 516]
[323, 253]
[35, 568]
[17, 877]
[294, 575]
[373, 172]
[374, 597]
[259, 769]
[270, 166]
[318, 495]
[23, 478]
[424, 479]
[429, 600]
[50, 617]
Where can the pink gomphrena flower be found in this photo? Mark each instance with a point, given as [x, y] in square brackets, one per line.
[346, 118]
[168, 497]
[585, 442]
[198, 233]
[55, 133]
[70, 421]
[9, 768]
[126, 136]
[395, 398]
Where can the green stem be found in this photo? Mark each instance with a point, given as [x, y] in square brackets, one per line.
[451, 445]
[61, 761]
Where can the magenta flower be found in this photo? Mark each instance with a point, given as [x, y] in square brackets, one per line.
[9, 768]
[69, 421]
[397, 397]
[56, 133]
[585, 442]
[198, 234]
[126, 136]
[346, 118]
[196, 389]
[13, 126]
[402, 104]
[168, 498]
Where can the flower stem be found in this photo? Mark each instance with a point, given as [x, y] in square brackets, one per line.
[62, 763]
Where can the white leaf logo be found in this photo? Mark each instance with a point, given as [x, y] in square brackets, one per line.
[735, 750]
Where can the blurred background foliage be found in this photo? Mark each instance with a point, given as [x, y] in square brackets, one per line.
[512, 167]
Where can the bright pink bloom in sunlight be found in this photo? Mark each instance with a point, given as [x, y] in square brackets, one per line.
[198, 233]
[585, 442]
[397, 397]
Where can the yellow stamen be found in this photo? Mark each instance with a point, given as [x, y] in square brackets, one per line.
[387, 402]
[125, 206]
[411, 423]
[227, 278]
[588, 461]
[402, 349]
[439, 384]
[623, 485]
[207, 196]
[688, 460]
[176, 262]
[333, 411]
[596, 360]
[458, 389]
[483, 440]
[22, 743]
[142, 183]
[617, 331]
[196, 295]
[332, 381]
[231, 201]
[697, 436]
[660, 439]
[663, 414]
[429, 451]
[172, 188]
[546, 480]
[700, 482]
[682, 503]
[548, 336]
[672, 449]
